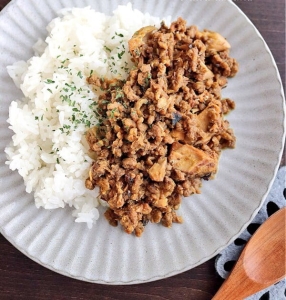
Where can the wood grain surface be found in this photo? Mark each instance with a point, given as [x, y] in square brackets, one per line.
[22, 278]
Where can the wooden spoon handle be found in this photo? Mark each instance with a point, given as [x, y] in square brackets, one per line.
[238, 285]
[261, 263]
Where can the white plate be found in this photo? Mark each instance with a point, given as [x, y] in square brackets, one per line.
[212, 219]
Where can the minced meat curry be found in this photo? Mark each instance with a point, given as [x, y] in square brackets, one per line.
[162, 130]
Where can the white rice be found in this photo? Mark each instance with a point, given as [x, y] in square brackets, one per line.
[48, 146]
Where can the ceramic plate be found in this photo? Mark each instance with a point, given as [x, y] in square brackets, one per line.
[212, 219]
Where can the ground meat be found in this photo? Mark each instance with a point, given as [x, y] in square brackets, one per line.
[161, 132]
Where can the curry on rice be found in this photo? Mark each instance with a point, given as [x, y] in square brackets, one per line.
[162, 130]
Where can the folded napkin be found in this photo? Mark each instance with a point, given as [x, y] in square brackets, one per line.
[275, 200]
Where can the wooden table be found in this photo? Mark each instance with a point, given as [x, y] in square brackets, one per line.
[21, 278]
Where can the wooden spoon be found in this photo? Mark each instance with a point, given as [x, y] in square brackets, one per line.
[261, 263]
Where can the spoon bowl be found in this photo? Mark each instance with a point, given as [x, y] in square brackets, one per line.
[261, 263]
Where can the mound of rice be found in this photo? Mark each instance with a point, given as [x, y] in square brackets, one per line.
[48, 147]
